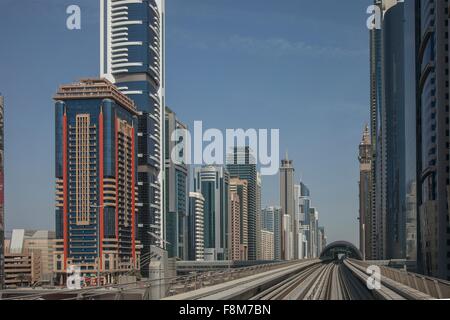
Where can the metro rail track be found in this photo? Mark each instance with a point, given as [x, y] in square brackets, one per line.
[316, 280]
[323, 281]
[313, 279]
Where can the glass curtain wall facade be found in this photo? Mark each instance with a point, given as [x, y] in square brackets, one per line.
[409, 205]
[271, 222]
[213, 183]
[377, 117]
[433, 138]
[177, 187]
[394, 106]
[132, 57]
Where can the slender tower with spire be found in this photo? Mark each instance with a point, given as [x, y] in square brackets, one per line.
[287, 204]
[366, 222]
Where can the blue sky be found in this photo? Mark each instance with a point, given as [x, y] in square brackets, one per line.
[300, 66]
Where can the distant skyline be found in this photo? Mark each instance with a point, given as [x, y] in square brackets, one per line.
[296, 65]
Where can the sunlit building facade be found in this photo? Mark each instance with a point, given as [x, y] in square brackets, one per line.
[235, 226]
[196, 227]
[267, 245]
[271, 222]
[240, 187]
[241, 164]
[96, 185]
[287, 205]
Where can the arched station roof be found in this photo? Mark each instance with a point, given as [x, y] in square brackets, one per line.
[341, 247]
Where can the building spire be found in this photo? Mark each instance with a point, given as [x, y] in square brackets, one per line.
[366, 135]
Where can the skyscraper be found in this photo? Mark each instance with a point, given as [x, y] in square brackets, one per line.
[240, 187]
[314, 233]
[241, 164]
[196, 227]
[2, 194]
[177, 187]
[267, 245]
[378, 141]
[235, 226]
[393, 132]
[271, 221]
[132, 57]
[365, 188]
[258, 215]
[287, 206]
[322, 240]
[298, 224]
[96, 185]
[433, 138]
[411, 107]
[304, 203]
[213, 183]
[394, 106]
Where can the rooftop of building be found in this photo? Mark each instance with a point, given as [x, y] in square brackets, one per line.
[94, 88]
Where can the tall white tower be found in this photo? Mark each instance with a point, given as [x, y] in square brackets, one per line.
[132, 57]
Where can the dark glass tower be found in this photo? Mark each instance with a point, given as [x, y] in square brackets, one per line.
[392, 223]
[213, 183]
[177, 187]
[394, 106]
[377, 118]
[433, 138]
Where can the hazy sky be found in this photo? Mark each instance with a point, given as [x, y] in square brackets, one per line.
[300, 66]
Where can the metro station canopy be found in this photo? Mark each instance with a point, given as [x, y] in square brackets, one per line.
[334, 249]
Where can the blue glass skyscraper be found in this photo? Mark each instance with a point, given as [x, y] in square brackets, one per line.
[213, 183]
[433, 145]
[378, 141]
[132, 57]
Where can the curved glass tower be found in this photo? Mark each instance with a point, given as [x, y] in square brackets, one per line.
[433, 139]
[132, 57]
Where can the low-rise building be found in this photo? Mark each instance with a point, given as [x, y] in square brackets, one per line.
[28, 257]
